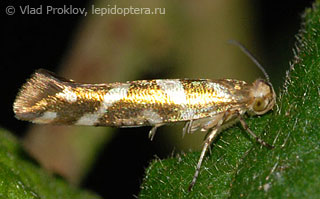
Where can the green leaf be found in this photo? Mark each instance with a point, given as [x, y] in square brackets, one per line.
[239, 167]
[21, 178]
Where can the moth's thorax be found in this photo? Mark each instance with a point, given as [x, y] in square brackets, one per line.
[262, 97]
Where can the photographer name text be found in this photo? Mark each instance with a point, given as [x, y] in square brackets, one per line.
[71, 10]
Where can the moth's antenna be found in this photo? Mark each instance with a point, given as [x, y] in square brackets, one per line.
[249, 54]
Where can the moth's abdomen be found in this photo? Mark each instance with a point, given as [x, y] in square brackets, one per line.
[46, 98]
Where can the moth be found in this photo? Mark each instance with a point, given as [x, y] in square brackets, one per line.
[208, 105]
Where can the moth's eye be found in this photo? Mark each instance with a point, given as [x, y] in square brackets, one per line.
[259, 105]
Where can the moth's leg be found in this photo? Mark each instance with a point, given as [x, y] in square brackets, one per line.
[153, 130]
[211, 136]
[259, 140]
[207, 143]
[187, 127]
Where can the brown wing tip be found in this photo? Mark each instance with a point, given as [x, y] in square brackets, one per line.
[29, 103]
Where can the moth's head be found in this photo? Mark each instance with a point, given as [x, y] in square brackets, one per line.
[263, 97]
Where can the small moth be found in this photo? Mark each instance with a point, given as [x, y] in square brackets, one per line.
[208, 105]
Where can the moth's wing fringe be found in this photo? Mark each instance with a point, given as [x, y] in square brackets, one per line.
[42, 84]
